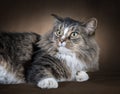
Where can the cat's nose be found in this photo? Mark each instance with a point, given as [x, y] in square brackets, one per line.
[62, 40]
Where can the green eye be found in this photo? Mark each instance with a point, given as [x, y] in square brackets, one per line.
[74, 35]
[58, 33]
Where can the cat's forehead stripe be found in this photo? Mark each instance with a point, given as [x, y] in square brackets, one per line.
[65, 32]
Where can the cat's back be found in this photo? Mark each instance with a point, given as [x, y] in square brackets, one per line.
[19, 36]
[18, 45]
[16, 49]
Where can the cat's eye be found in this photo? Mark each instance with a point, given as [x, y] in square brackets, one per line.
[58, 32]
[74, 35]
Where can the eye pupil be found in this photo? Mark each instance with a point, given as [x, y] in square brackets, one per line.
[74, 34]
[58, 32]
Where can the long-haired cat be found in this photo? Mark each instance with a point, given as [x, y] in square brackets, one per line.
[66, 53]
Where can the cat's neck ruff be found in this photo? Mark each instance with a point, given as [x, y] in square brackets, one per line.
[65, 51]
[71, 60]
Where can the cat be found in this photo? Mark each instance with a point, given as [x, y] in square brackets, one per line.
[66, 53]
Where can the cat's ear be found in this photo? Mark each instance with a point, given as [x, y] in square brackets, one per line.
[58, 18]
[90, 26]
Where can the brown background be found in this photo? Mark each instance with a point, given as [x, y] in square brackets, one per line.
[35, 16]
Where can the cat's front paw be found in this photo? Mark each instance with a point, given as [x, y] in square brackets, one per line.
[48, 83]
[82, 76]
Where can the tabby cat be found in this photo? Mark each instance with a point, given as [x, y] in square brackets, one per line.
[66, 53]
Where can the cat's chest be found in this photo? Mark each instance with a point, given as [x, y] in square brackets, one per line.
[70, 60]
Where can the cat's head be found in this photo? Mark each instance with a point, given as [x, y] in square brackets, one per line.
[69, 36]
[72, 34]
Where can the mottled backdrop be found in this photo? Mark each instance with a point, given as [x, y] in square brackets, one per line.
[34, 15]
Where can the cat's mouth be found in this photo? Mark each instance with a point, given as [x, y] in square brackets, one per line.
[62, 47]
[61, 44]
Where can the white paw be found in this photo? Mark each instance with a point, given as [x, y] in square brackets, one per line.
[82, 76]
[48, 83]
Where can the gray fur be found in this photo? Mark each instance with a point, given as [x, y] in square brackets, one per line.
[16, 51]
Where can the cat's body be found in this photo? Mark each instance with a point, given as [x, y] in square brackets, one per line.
[16, 50]
[64, 54]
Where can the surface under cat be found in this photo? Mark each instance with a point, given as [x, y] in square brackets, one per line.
[66, 53]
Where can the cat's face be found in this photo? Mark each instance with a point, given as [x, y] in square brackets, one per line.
[71, 34]
[67, 36]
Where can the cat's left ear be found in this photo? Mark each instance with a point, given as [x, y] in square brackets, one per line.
[90, 26]
[58, 18]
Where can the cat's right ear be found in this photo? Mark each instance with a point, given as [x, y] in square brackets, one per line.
[90, 26]
[58, 18]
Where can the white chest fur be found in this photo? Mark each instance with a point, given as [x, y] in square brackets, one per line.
[72, 62]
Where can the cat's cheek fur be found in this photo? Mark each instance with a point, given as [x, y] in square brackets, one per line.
[82, 76]
[48, 83]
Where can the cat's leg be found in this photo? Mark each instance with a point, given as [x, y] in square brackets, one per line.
[46, 71]
[41, 76]
[81, 76]
[47, 82]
